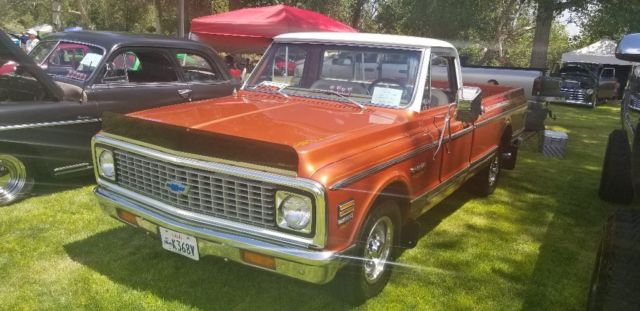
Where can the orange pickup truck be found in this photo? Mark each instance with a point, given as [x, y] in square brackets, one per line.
[313, 168]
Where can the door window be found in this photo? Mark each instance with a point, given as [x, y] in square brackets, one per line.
[140, 66]
[440, 89]
[196, 68]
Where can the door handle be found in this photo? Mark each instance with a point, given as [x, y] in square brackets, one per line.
[185, 93]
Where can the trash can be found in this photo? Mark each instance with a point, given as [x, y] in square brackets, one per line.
[554, 144]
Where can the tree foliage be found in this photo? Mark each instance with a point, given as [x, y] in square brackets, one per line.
[610, 19]
[494, 32]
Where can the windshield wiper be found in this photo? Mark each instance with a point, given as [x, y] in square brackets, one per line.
[277, 90]
[323, 91]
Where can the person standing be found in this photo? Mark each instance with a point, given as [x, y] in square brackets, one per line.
[33, 40]
[23, 40]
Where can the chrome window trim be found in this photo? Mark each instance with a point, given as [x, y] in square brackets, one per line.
[46, 124]
[310, 186]
[419, 73]
[93, 73]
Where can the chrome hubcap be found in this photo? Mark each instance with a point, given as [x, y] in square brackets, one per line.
[494, 169]
[13, 178]
[377, 249]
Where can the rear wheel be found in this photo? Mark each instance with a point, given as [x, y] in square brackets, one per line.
[367, 275]
[616, 181]
[15, 179]
[486, 181]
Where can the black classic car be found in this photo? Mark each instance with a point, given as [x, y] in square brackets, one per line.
[51, 101]
[577, 83]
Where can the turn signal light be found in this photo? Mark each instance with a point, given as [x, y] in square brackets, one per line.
[258, 259]
[128, 217]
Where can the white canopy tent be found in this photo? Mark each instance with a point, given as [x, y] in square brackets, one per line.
[601, 52]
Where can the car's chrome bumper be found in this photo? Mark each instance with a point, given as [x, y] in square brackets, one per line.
[562, 100]
[312, 266]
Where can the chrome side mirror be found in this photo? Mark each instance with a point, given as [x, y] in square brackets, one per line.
[469, 107]
[629, 48]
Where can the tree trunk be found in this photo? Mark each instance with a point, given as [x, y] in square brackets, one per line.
[356, 13]
[544, 20]
[84, 17]
[157, 4]
[235, 5]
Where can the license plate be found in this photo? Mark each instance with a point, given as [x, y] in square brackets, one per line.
[180, 243]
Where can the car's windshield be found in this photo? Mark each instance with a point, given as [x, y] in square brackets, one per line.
[366, 75]
[69, 60]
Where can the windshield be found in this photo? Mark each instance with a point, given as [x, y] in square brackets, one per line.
[69, 60]
[363, 75]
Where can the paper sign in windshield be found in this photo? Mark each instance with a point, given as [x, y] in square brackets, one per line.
[90, 61]
[386, 96]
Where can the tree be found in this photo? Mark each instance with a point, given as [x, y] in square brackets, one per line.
[609, 19]
[547, 11]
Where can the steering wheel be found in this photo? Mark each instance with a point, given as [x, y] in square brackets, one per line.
[387, 81]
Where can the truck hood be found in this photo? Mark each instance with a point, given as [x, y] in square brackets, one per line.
[319, 132]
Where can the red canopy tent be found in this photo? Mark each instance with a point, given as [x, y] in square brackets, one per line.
[251, 30]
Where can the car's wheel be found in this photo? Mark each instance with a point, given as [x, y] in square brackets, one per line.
[366, 275]
[615, 182]
[486, 181]
[15, 179]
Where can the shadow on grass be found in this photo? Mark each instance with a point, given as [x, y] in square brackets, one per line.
[127, 256]
[49, 185]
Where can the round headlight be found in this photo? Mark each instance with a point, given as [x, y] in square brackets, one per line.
[296, 211]
[107, 167]
[589, 91]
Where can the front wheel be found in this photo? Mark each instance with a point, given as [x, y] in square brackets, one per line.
[369, 272]
[616, 183]
[15, 179]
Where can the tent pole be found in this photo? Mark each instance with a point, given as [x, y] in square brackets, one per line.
[180, 18]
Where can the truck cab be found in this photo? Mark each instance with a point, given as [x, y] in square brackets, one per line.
[316, 168]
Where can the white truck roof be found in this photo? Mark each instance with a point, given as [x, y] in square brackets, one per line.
[362, 38]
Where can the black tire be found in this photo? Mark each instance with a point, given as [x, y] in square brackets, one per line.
[486, 181]
[16, 178]
[358, 281]
[635, 159]
[616, 182]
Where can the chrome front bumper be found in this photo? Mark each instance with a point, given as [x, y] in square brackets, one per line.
[562, 100]
[308, 265]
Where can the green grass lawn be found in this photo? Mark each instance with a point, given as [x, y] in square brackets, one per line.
[531, 246]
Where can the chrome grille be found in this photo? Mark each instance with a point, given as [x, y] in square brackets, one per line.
[573, 94]
[635, 101]
[209, 193]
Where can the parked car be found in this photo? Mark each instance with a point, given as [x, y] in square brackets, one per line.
[308, 174]
[509, 76]
[51, 103]
[616, 276]
[621, 167]
[579, 84]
